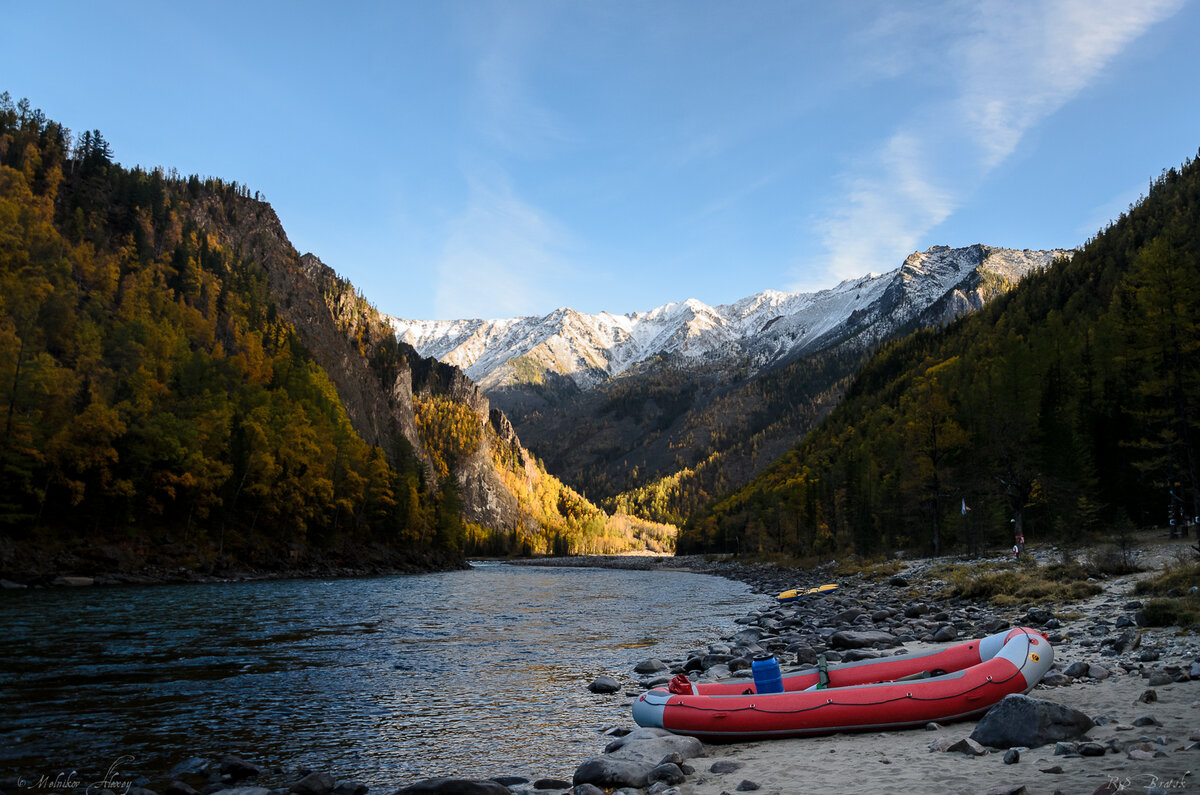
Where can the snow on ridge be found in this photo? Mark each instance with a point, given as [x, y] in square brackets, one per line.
[761, 328]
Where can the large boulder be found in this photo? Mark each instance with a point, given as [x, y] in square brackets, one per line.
[604, 771]
[1019, 720]
[861, 639]
[630, 760]
[604, 684]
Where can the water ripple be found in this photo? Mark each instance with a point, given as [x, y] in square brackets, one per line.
[472, 673]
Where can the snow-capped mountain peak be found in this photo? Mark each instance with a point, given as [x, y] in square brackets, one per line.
[759, 330]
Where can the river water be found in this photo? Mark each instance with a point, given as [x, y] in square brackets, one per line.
[386, 679]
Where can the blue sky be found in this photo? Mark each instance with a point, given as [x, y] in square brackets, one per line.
[491, 159]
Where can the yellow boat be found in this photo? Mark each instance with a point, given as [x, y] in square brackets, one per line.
[795, 593]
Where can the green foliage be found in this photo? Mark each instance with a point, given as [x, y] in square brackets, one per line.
[1066, 406]
[150, 389]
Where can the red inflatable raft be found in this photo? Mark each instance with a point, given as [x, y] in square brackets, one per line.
[954, 683]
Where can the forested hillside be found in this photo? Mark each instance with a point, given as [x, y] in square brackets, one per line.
[179, 390]
[1067, 408]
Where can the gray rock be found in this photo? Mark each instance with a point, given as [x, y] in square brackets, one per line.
[1076, 670]
[848, 616]
[709, 660]
[747, 636]
[314, 784]
[591, 789]
[630, 760]
[1146, 720]
[1128, 640]
[1056, 679]
[945, 633]
[1065, 749]
[551, 783]
[898, 581]
[1092, 749]
[1149, 655]
[653, 745]
[967, 746]
[859, 639]
[1019, 720]
[1098, 672]
[1012, 756]
[668, 773]
[720, 671]
[454, 786]
[604, 771]
[1160, 678]
[650, 666]
[604, 684]
[994, 625]
[725, 766]
[1037, 616]
[1148, 696]
[237, 768]
[192, 767]
[748, 786]
[916, 610]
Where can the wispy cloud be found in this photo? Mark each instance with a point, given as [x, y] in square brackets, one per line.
[1017, 63]
[509, 114]
[501, 257]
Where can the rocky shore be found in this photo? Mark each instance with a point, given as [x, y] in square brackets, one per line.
[1132, 694]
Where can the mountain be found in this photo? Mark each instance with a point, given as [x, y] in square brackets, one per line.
[757, 332]
[1063, 411]
[182, 391]
[656, 413]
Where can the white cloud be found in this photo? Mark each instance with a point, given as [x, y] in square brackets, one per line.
[510, 115]
[1025, 61]
[1018, 63]
[502, 256]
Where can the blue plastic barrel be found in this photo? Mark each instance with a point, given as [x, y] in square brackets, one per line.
[767, 676]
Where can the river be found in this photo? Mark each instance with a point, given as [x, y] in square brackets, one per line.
[387, 679]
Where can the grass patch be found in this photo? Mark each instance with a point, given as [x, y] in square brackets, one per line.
[1016, 584]
[874, 570]
[1176, 602]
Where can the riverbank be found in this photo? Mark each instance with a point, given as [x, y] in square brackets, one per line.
[28, 564]
[1139, 684]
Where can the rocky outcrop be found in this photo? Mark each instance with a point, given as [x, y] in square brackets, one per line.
[340, 330]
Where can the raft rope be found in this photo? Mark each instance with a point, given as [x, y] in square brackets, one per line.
[831, 703]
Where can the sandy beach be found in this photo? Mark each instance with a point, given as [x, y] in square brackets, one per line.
[901, 761]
